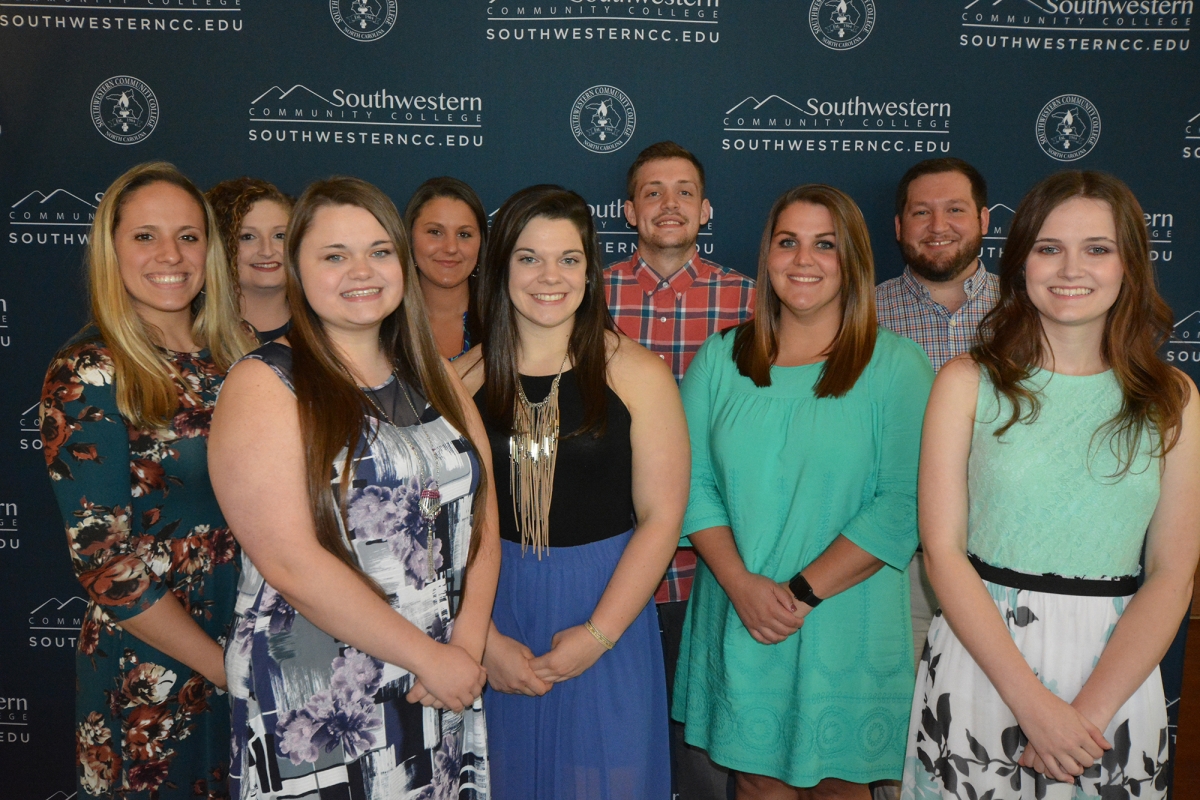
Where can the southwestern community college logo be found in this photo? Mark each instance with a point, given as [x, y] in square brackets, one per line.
[841, 24]
[364, 20]
[124, 110]
[603, 119]
[1068, 127]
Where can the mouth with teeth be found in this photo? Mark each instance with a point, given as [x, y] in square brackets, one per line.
[362, 294]
[938, 243]
[172, 279]
[550, 298]
[804, 278]
[266, 266]
[670, 222]
[1070, 291]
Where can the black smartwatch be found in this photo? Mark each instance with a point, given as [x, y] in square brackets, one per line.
[802, 591]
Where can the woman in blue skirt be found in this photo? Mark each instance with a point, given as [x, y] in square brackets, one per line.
[591, 461]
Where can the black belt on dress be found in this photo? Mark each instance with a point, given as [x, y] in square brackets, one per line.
[1056, 584]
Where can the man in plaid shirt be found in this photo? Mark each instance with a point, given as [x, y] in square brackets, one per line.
[670, 300]
[944, 292]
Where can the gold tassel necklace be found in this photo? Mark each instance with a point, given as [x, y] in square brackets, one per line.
[532, 453]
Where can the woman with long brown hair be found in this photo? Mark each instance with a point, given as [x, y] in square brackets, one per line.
[353, 470]
[253, 217]
[1052, 454]
[124, 421]
[590, 456]
[804, 423]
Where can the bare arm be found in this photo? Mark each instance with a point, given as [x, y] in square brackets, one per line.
[166, 626]
[256, 460]
[661, 464]
[1147, 627]
[1062, 736]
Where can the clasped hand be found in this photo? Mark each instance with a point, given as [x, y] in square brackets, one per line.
[455, 682]
[513, 668]
[767, 609]
[1062, 741]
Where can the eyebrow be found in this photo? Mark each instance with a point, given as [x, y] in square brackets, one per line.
[1088, 239]
[796, 235]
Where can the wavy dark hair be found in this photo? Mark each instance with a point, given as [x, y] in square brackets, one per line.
[587, 346]
[1012, 343]
[455, 189]
[231, 201]
[331, 404]
[756, 341]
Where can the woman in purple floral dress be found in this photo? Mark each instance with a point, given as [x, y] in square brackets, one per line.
[124, 423]
[345, 456]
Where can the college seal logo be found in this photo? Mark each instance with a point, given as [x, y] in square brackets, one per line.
[124, 110]
[603, 119]
[841, 24]
[364, 20]
[1068, 127]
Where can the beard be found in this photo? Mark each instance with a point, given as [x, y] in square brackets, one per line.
[946, 269]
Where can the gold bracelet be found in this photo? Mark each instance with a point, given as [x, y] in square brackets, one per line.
[600, 637]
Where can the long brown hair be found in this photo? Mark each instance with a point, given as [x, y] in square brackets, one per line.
[587, 346]
[147, 384]
[1012, 344]
[455, 189]
[231, 201]
[756, 342]
[331, 405]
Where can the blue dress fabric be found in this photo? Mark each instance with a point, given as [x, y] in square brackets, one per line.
[602, 734]
[315, 719]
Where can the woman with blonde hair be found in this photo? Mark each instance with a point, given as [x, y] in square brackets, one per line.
[124, 423]
[354, 472]
[804, 423]
[253, 217]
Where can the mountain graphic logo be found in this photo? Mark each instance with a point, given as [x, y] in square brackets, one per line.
[124, 110]
[767, 113]
[298, 94]
[59, 207]
[58, 615]
[999, 219]
[1187, 330]
[841, 24]
[364, 20]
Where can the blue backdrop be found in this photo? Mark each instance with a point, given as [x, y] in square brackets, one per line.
[505, 93]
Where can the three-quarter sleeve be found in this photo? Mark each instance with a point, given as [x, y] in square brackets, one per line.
[886, 526]
[706, 507]
[86, 444]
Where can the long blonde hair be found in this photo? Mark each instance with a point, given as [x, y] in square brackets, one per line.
[147, 384]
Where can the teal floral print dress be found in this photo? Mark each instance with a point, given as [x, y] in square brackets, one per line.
[141, 521]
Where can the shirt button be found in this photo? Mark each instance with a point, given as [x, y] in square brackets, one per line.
[662, 319]
[660, 355]
[953, 323]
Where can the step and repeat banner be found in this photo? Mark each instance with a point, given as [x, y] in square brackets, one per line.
[507, 93]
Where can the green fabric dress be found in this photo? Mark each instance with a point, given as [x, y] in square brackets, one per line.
[789, 472]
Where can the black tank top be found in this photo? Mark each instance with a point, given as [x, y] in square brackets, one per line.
[593, 477]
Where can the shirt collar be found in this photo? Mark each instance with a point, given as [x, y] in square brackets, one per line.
[679, 283]
[972, 286]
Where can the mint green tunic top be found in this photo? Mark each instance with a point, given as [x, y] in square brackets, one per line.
[1044, 497]
[788, 472]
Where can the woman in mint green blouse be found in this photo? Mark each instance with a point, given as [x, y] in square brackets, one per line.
[805, 424]
[1052, 454]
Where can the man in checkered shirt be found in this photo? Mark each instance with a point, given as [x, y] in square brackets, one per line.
[670, 300]
[943, 293]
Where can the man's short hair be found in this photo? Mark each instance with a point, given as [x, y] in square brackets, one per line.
[660, 151]
[933, 166]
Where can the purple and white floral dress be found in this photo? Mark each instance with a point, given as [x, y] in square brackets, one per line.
[312, 716]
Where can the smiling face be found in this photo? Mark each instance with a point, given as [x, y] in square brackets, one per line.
[803, 262]
[260, 247]
[667, 207]
[161, 247]
[547, 273]
[350, 269]
[940, 231]
[1074, 272]
[445, 242]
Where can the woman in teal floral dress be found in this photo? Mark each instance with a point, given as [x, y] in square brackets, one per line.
[124, 422]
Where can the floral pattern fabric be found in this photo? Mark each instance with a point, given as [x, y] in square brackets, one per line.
[316, 718]
[964, 742]
[141, 520]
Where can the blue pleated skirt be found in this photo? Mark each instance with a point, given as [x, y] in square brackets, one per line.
[600, 735]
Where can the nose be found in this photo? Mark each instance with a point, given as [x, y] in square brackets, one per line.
[1071, 265]
[937, 220]
[451, 243]
[268, 245]
[359, 268]
[169, 252]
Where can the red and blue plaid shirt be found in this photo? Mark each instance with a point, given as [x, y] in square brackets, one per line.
[672, 317]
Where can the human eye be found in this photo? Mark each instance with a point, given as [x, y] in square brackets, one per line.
[1099, 250]
[280, 236]
[466, 235]
[825, 244]
[1049, 250]
[143, 237]
[335, 258]
[382, 252]
[786, 242]
[246, 237]
[433, 232]
[190, 237]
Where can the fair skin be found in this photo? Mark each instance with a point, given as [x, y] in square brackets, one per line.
[445, 242]
[160, 243]
[806, 275]
[941, 228]
[1074, 275]
[668, 208]
[260, 266]
[353, 279]
[547, 276]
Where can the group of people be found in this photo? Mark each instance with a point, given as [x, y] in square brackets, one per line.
[476, 516]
